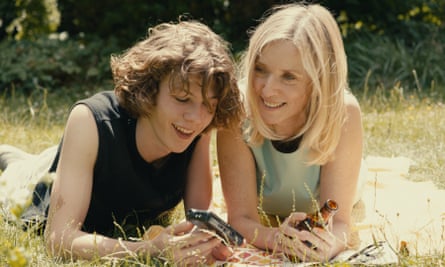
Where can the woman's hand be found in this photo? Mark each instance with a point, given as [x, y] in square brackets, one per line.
[317, 245]
[182, 246]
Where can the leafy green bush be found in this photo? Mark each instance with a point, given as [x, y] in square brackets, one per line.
[32, 18]
[405, 19]
[52, 63]
[377, 61]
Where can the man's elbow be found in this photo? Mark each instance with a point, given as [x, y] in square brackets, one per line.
[54, 244]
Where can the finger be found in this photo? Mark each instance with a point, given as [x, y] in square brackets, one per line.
[191, 258]
[313, 248]
[295, 248]
[288, 230]
[201, 260]
[209, 233]
[288, 245]
[297, 216]
[305, 251]
[324, 240]
[303, 245]
[294, 218]
[324, 235]
[199, 253]
[190, 239]
[210, 260]
[180, 228]
[153, 232]
[222, 252]
[307, 255]
[311, 240]
[288, 226]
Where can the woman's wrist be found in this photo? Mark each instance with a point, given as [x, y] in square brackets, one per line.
[274, 239]
[342, 235]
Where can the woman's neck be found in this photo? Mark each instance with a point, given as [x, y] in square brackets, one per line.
[290, 128]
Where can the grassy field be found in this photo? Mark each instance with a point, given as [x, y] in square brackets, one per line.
[395, 125]
[407, 126]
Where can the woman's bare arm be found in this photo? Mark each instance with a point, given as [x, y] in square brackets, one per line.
[238, 179]
[339, 177]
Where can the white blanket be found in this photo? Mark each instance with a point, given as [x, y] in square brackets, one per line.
[401, 210]
[395, 209]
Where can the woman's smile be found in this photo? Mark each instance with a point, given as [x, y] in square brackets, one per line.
[272, 104]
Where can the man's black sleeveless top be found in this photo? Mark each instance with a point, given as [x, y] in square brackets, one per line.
[126, 189]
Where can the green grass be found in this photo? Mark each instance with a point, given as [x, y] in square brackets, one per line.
[395, 124]
[408, 126]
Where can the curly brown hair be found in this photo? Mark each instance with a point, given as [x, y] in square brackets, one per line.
[181, 50]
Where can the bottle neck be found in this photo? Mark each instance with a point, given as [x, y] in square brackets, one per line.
[328, 210]
[326, 215]
[320, 218]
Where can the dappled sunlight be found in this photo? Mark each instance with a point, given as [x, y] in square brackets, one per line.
[398, 209]
[393, 209]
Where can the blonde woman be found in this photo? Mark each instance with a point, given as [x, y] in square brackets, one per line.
[302, 140]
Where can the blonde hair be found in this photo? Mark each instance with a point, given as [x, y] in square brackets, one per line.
[182, 50]
[315, 33]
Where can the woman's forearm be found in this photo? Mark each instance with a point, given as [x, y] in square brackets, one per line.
[341, 231]
[255, 233]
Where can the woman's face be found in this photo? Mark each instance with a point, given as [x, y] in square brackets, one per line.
[179, 117]
[281, 87]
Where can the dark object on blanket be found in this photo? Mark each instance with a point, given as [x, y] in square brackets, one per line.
[209, 220]
[34, 217]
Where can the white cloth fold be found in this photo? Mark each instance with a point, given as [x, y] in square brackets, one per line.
[21, 172]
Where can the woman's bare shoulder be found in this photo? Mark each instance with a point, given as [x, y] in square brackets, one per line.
[353, 111]
[351, 100]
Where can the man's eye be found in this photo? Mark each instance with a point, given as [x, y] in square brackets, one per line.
[182, 99]
[212, 107]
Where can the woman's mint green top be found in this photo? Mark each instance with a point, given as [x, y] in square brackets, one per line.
[285, 183]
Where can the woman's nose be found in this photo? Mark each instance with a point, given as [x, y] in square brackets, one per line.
[269, 86]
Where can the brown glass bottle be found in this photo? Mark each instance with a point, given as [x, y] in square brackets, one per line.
[319, 219]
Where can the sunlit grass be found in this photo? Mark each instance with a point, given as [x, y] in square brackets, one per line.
[395, 124]
[34, 122]
[408, 126]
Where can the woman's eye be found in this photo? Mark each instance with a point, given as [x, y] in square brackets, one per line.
[259, 69]
[289, 77]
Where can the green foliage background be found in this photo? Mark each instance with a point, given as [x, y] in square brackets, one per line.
[57, 44]
[53, 52]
